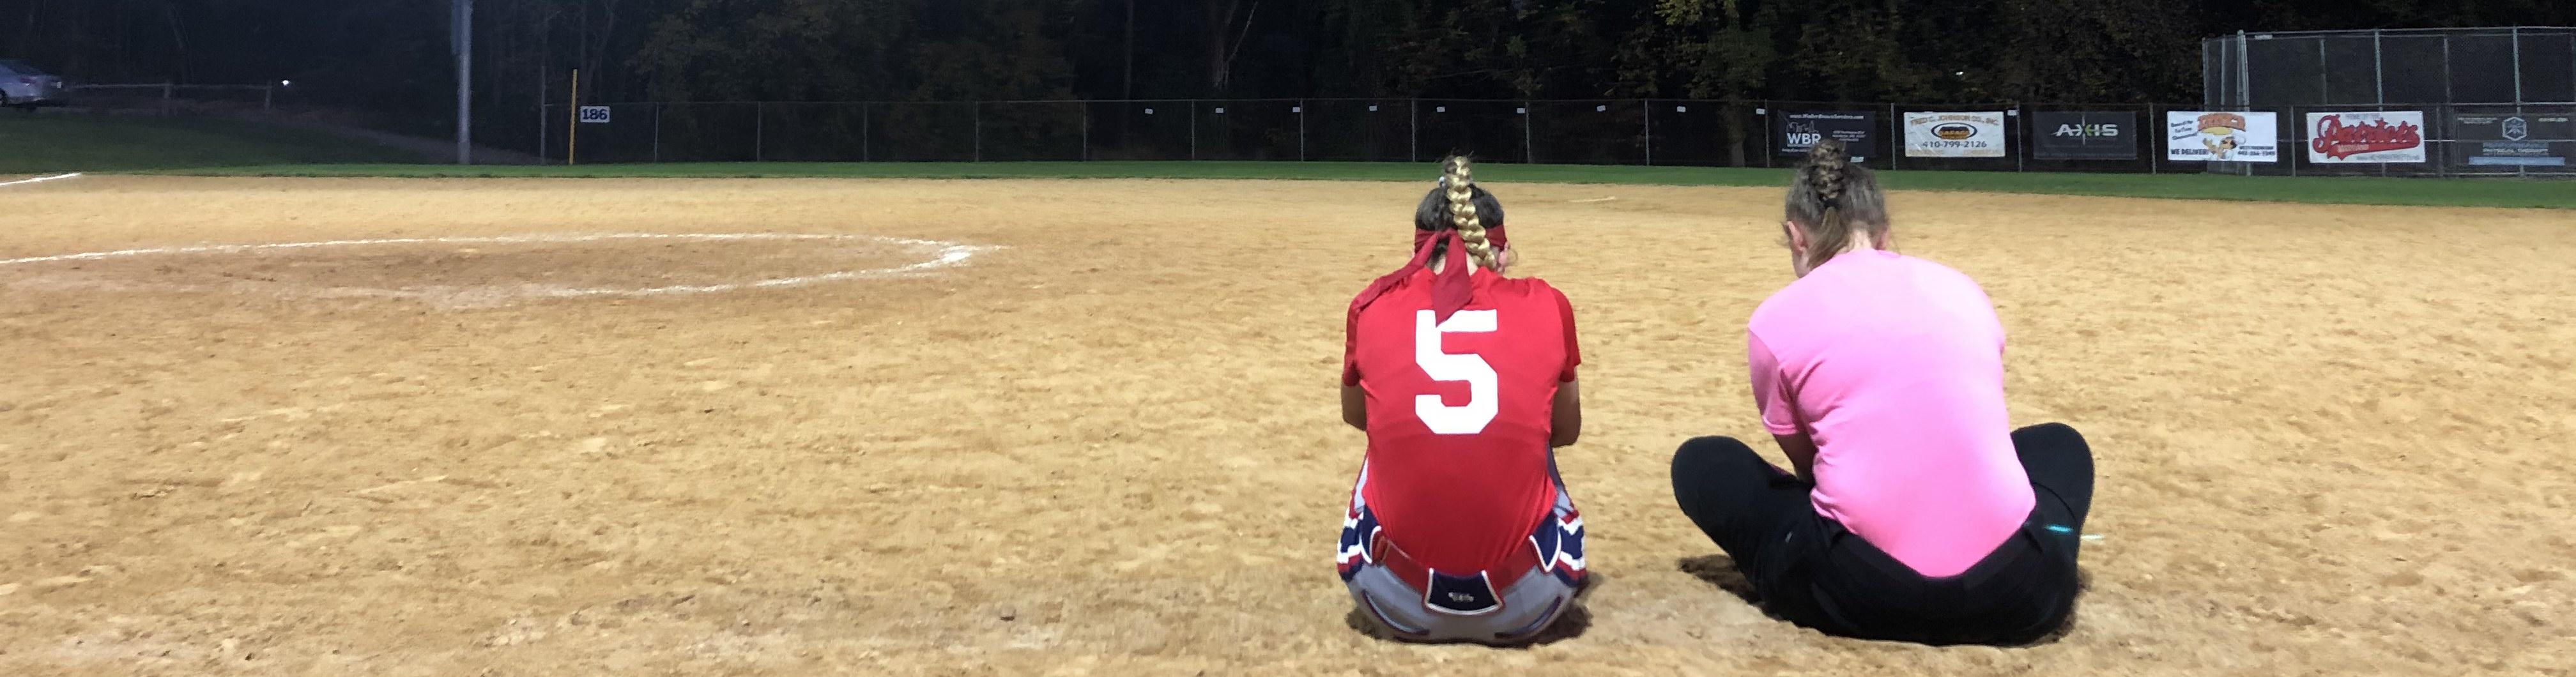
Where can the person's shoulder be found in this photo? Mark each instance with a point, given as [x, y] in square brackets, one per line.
[1529, 286]
[1394, 288]
[1934, 270]
[1786, 301]
[1364, 292]
[1528, 290]
[1930, 266]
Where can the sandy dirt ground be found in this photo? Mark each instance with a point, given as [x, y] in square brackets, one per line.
[2332, 440]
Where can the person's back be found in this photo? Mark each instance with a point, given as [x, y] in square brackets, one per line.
[1458, 528]
[1911, 510]
[1459, 414]
[1896, 363]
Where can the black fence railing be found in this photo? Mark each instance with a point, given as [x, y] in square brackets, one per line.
[2527, 139]
[165, 98]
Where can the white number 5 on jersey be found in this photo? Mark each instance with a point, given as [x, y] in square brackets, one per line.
[1482, 384]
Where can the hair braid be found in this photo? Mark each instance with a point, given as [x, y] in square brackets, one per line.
[1830, 166]
[1832, 196]
[1462, 211]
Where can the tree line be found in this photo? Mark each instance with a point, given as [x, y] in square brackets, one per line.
[394, 55]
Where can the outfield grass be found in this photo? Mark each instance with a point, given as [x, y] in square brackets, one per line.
[67, 143]
[32, 144]
[2320, 190]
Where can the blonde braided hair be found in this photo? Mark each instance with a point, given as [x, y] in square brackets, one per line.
[1461, 182]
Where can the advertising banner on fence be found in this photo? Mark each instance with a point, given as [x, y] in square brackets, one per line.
[2366, 136]
[2514, 139]
[1937, 134]
[1799, 132]
[2084, 135]
[2202, 136]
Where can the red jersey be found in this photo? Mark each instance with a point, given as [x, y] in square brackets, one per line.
[1459, 415]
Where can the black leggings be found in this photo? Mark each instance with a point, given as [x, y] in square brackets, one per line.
[1811, 571]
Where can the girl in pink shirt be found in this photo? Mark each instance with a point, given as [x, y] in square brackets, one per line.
[1912, 510]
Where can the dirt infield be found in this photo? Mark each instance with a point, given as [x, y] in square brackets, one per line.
[2332, 440]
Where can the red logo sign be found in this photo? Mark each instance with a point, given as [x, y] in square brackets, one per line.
[2337, 140]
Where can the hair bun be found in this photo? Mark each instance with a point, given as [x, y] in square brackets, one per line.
[1829, 155]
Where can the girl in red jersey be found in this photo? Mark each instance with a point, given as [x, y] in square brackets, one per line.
[1459, 528]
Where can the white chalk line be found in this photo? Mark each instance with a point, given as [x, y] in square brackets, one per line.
[40, 179]
[947, 254]
[505, 239]
[1598, 199]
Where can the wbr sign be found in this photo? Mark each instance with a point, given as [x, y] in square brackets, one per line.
[2366, 136]
[594, 115]
[2220, 136]
[1799, 132]
[2085, 135]
[1936, 134]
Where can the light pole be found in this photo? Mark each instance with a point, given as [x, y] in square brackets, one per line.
[462, 17]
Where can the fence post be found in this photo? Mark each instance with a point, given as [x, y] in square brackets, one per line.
[2446, 68]
[2299, 125]
[1086, 132]
[2517, 69]
[1529, 149]
[1649, 116]
[1194, 129]
[2244, 93]
[1413, 130]
[759, 131]
[267, 99]
[864, 135]
[1301, 130]
[979, 131]
[657, 132]
[2244, 70]
[1762, 109]
[2155, 164]
[2244, 77]
[2378, 69]
[2325, 91]
[2442, 165]
[168, 90]
[1895, 136]
[2021, 154]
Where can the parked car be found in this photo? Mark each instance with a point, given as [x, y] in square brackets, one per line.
[24, 86]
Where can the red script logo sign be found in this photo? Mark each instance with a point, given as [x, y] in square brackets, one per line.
[2338, 140]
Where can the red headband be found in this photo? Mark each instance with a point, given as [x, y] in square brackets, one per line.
[1450, 291]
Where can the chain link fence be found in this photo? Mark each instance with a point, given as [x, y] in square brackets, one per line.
[2485, 101]
[169, 99]
[2530, 139]
[2463, 66]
